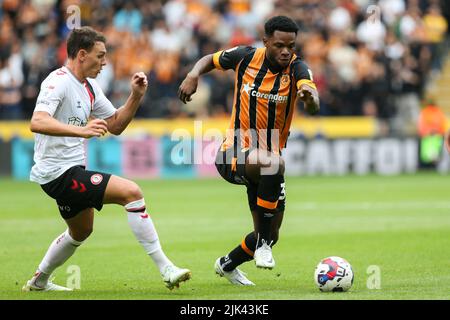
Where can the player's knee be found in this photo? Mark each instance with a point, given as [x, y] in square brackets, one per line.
[81, 233]
[132, 193]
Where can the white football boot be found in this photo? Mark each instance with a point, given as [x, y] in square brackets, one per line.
[235, 276]
[263, 256]
[50, 286]
[173, 276]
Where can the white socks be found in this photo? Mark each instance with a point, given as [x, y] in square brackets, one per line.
[142, 226]
[64, 246]
[61, 249]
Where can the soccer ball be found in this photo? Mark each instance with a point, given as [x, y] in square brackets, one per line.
[333, 274]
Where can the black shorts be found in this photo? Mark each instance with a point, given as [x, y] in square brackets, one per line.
[77, 189]
[231, 166]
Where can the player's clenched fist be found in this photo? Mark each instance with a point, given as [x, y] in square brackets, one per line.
[187, 88]
[139, 83]
[310, 97]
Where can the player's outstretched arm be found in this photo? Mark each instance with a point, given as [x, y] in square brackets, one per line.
[43, 123]
[123, 116]
[189, 85]
[310, 98]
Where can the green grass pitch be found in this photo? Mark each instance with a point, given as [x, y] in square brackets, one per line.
[400, 225]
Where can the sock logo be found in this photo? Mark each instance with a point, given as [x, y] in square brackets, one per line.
[268, 215]
[60, 238]
[226, 261]
[144, 216]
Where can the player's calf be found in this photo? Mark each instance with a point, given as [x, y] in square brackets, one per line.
[144, 230]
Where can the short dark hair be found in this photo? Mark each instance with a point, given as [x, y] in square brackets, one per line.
[82, 38]
[280, 23]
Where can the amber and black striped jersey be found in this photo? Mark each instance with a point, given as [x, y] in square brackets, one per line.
[264, 98]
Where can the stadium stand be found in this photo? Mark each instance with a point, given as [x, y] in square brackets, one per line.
[369, 58]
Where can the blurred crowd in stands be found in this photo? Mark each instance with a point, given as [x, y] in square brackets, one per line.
[368, 57]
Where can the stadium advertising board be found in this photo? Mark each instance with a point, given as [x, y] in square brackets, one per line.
[152, 157]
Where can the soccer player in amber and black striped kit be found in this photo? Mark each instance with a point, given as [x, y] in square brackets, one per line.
[267, 84]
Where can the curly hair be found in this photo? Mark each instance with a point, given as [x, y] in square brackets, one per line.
[280, 23]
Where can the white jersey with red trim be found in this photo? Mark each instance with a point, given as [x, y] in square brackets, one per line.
[69, 101]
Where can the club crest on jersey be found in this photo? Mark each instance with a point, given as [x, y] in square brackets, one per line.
[96, 179]
[285, 79]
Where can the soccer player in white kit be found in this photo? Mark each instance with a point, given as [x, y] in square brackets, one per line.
[70, 108]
